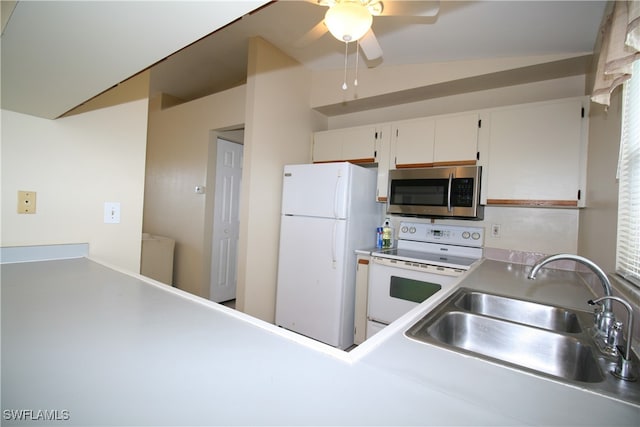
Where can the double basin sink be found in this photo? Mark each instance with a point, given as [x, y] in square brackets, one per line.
[541, 339]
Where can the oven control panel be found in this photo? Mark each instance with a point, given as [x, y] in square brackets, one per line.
[445, 234]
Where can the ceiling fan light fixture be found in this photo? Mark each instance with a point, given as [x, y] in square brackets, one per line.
[348, 21]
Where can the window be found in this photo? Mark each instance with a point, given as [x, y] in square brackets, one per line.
[628, 248]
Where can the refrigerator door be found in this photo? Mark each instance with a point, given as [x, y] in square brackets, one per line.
[320, 190]
[311, 291]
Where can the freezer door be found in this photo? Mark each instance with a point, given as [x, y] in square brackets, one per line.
[311, 292]
[320, 190]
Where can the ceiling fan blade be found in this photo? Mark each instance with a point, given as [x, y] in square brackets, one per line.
[410, 8]
[319, 30]
[370, 46]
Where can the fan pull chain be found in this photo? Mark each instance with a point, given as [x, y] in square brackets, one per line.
[346, 52]
[355, 82]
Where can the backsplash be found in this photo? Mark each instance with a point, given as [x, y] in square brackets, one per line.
[523, 257]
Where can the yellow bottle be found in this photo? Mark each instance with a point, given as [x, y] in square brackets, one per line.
[387, 235]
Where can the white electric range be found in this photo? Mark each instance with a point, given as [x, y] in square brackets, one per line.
[426, 264]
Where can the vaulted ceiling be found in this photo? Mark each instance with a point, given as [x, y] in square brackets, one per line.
[462, 30]
[56, 55]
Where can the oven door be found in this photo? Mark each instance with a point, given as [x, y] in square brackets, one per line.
[396, 287]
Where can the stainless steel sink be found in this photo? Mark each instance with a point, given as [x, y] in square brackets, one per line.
[536, 349]
[530, 313]
[543, 340]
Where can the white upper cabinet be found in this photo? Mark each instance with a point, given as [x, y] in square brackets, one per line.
[363, 145]
[356, 145]
[531, 154]
[456, 140]
[412, 143]
[450, 140]
[537, 154]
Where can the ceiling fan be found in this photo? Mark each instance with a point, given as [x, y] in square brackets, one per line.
[351, 20]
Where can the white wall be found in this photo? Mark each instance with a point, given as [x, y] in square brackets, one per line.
[279, 125]
[75, 164]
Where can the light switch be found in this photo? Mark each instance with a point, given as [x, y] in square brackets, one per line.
[112, 213]
[26, 202]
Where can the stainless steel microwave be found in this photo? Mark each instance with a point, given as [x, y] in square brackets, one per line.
[440, 192]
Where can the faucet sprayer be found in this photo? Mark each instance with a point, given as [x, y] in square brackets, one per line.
[624, 369]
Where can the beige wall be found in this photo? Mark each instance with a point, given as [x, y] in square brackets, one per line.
[598, 222]
[178, 156]
[514, 94]
[75, 164]
[279, 124]
[521, 227]
[397, 78]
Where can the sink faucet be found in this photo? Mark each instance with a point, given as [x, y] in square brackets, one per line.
[605, 318]
[624, 369]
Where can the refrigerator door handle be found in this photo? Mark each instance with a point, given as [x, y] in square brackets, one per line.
[335, 197]
[333, 244]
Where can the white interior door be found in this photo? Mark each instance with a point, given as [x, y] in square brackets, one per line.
[226, 221]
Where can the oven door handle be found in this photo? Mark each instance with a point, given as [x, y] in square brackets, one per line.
[449, 192]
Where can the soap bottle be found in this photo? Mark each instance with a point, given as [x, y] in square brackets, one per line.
[387, 235]
[379, 237]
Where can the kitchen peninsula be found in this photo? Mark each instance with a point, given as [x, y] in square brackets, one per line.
[103, 347]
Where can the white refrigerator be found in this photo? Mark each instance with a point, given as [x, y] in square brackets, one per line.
[328, 211]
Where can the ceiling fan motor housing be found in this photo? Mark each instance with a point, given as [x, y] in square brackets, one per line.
[348, 21]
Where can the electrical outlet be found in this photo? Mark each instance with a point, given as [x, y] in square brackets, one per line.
[495, 230]
[26, 202]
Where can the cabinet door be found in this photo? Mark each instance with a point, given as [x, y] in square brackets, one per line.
[456, 140]
[362, 290]
[355, 145]
[383, 147]
[412, 143]
[536, 154]
[359, 145]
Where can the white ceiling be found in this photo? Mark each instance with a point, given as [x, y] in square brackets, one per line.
[462, 30]
[56, 55]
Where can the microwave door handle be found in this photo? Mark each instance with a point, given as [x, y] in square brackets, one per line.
[449, 192]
